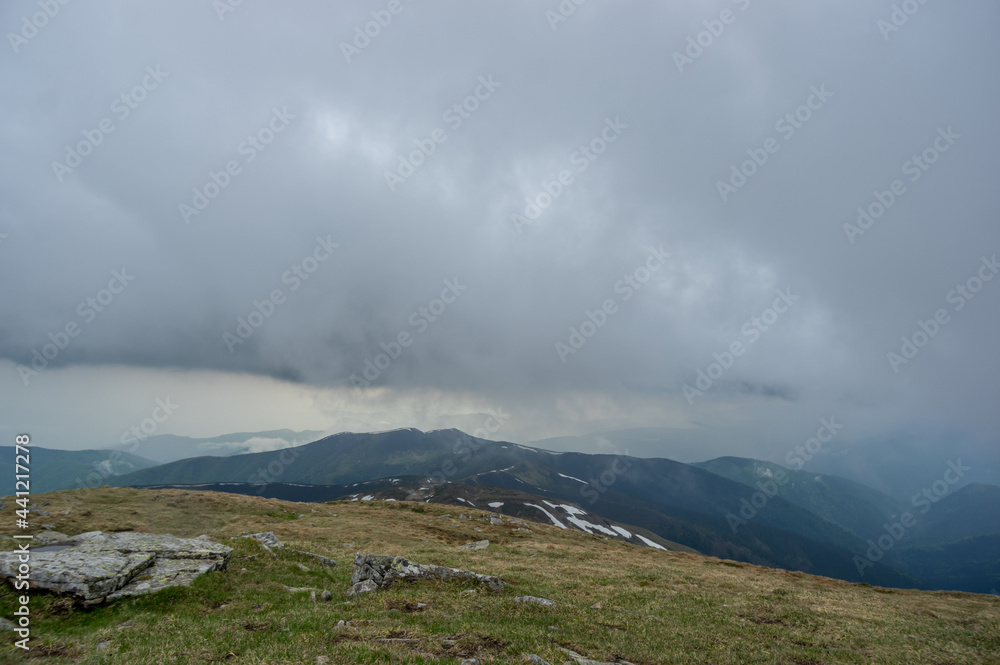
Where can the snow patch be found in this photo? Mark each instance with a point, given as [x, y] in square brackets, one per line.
[584, 525]
[572, 478]
[367, 497]
[495, 504]
[548, 514]
[650, 543]
[622, 531]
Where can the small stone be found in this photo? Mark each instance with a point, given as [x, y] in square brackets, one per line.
[258, 606]
[243, 571]
[536, 660]
[322, 660]
[302, 568]
[326, 595]
[361, 588]
[102, 645]
[471, 661]
[267, 539]
[469, 592]
[478, 545]
[597, 606]
[536, 600]
[312, 596]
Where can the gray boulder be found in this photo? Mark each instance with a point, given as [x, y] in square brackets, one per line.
[478, 545]
[379, 571]
[97, 567]
[49, 538]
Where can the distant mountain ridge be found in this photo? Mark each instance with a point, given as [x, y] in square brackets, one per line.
[678, 502]
[65, 469]
[164, 448]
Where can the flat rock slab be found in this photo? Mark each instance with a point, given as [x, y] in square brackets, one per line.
[378, 571]
[99, 566]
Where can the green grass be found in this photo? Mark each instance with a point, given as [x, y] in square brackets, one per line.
[615, 600]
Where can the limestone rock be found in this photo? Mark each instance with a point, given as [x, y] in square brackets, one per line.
[50, 537]
[361, 588]
[267, 540]
[322, 559]
[478, 545]
[103, 566]
[382, 571]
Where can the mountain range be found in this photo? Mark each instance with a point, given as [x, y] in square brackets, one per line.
[730, 507]
[734, 508]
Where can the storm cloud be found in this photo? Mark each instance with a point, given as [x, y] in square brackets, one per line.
[724, 218]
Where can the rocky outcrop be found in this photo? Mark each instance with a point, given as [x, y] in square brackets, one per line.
[270, 542]
[379, 571]
[95, 567]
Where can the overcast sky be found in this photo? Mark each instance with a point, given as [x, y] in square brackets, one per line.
[182, 163]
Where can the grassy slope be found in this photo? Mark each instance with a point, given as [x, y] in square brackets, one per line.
[655, 607]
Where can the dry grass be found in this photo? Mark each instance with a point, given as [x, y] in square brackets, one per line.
[615, 600]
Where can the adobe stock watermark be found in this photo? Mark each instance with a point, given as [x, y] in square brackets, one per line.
[133, 435]
[223, 7]
[914, 167]
[122, 107]
[899, 17]
[563, 11]
[751, 330]
[274, 469]
[492, 424]
[787, 125]
[420, 320]
[365, 33]
[714, 27]
[581, 159]
[30, 26]
[924, 500]
[768, 489]
[455, 116]
[595, 487]
[87, 311]
[249, 149]
[958, 297]
[294, 277]
[627, 286]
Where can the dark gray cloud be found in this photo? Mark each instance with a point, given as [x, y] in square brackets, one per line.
[260, 112]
